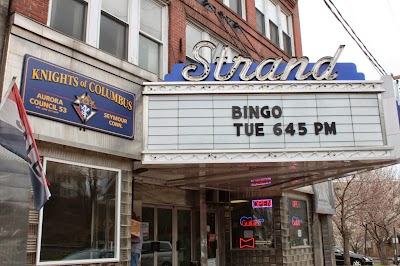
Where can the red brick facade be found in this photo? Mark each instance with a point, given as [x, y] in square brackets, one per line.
[182, 10]
[34, 9]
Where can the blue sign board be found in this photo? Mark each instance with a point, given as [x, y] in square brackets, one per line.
[346, 71]
[66, 96]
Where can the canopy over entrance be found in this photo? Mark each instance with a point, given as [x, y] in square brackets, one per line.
[266, 135]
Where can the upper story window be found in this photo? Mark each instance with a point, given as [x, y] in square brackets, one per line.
[274, 23]
[133, 30]
[114, 27]
[238, 6]
[152, 36]
[69, 17]
[194, 35]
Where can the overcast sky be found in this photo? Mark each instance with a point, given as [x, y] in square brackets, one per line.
[376, 22]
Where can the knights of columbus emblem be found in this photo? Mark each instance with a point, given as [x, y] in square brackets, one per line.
[84, 106]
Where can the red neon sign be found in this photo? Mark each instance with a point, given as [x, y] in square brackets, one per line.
[295, 204]
[260, 181]
[249, 222]
[296, 221]
[261, 203]
[246, 243]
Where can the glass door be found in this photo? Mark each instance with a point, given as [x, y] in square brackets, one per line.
[157, 237]
[183, 246]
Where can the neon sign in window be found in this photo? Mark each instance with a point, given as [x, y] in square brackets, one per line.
[246, 243]
[295, 204]
[249, 222]
[296, 221]
[261, 203]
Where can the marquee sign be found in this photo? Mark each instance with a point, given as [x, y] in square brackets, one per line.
[56, 93]
[270, 69]
[265, 111]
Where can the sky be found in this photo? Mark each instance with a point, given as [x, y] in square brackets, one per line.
[376, 22]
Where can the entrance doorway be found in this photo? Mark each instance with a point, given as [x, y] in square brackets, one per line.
[157, 236]
[167, 237]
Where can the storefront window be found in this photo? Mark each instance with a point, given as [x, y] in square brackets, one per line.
[252, 224]
[298, 222]
[80, 220]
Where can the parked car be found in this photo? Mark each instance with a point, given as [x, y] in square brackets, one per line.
[164, 255]
[90, 254]
[355, 259]
[392, 260]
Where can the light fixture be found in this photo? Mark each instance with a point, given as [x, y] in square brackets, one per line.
[239, 201]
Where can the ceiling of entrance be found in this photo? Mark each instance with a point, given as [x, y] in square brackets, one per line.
[251, 176]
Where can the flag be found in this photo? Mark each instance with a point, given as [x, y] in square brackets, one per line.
[16, 136]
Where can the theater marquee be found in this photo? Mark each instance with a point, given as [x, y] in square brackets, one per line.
[265, 112]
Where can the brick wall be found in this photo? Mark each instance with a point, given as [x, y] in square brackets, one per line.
[248, 40]
[34, 9]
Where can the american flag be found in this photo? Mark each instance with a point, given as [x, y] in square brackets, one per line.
[16, 136]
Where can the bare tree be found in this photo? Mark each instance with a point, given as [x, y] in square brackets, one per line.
[371, 198]
[349, 202]
[383, 209]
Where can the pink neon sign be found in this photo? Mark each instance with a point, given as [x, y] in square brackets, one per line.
[260, 181]
[261, 203]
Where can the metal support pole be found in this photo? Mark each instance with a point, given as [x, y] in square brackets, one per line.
[203, 228]
[395, 240]
[365, 240]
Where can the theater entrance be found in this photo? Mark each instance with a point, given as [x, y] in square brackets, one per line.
[166, 236]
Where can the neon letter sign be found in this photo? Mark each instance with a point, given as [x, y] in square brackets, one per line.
[296, 221]
[249, 222]
[260, 181]
[261, 203]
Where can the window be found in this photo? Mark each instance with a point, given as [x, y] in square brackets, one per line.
[69, 17]
[151, 36]
[298, 219]
[252, 224]
[237, 6]
[114, 27]
[132, 30]
[260, 19]
[195, 35]
[81, 220]
[274, 23]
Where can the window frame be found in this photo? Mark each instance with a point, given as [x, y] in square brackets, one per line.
[243, 8]
[92, 30]
[117, 218]
[279, 10]
[163, 43]
[85, 34]
[249, 201]
[300, 198]
[119, 21]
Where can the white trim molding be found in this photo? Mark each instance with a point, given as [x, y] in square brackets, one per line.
[165, 88]
[246, 156]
